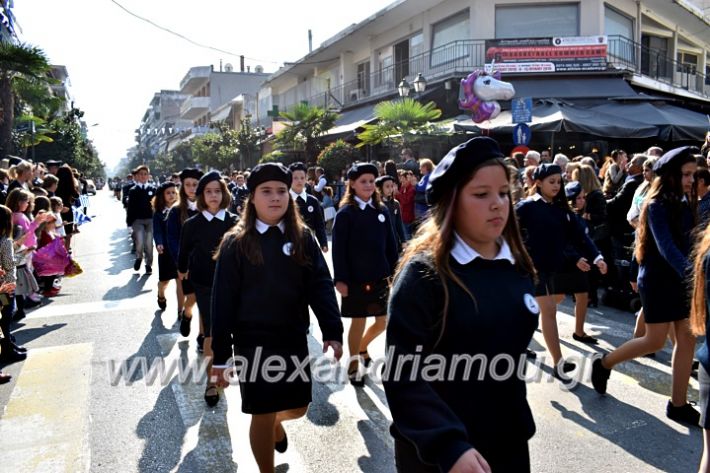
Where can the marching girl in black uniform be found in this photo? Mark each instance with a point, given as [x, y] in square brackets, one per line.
[270, 269]
[464, 289]
[550, 229]
[662, 248]
[308, 205]
[200, 237]
[184, 209]
[165, 197]
[386, 187]
[364, 258]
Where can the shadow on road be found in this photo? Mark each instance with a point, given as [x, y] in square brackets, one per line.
[133, 288]
[25, 336]
[646, 437]
[120, 253]
[375, 434]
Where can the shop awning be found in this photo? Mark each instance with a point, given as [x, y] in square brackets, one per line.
[351, 120]
[557, 116]
[566, 88]
[674, 123]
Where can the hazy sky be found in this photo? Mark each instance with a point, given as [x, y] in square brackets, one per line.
[116, 62]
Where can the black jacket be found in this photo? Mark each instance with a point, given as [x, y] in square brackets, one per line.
[618, 206]
[139, 205]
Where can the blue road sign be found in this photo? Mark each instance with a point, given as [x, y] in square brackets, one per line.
[521, 134]
[521, 109]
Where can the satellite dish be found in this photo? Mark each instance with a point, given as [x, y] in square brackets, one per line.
[228, 67]
[259, 69]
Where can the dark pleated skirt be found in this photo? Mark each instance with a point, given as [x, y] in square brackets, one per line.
[366, 300]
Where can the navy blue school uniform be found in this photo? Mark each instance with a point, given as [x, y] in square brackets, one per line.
[262, 310]
[664, 269]
[548, 232]
[166, 266]
[572, 280]
[312, 214]
[364, 256]
[173, 227]
[437, 417]
[396, 218]
[139, 205]
[199, 239]
[703, 354]
[239, 196]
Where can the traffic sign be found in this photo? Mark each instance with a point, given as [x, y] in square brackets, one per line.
[521, 134]
[521, 109]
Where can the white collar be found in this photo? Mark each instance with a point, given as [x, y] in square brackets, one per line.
[191, 205]
[464, 254]
[261, 227]
[219, 215]
[362, 204]
[537, 196]
[141, 185]
[303, 195]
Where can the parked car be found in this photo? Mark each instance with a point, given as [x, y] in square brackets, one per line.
[90, 187]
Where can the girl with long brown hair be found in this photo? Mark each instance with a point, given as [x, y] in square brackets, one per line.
[165, 197]
[270, 269]
[663, 247]
[185, 208]
[364, 258]
[464, 288]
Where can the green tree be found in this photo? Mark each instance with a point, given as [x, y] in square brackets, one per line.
[16, 60]
[336, 157]
[24, 137]
[306, 124]
[248, 145]
[398, 122]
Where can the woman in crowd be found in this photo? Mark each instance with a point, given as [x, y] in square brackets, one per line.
[165, 197]
[364, 258]
[270, 247]
[549, 227]
[469, 259]
[421, 207]
[405, 196]
[67, 190]
[663, 246]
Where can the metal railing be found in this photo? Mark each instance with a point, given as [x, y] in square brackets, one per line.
[627, 54]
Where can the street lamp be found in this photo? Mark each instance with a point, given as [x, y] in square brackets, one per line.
[403, 88]
[419, 83]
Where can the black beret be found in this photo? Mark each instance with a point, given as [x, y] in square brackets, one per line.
[53, 162]
[14, 160]
[165, 185]
[573, 189]
[358, 169]
[190, 173]
[298, 166]
[382, 179]
[206, 179]
[546, 170]
[268, 172]
[458, 164]
[674, 158]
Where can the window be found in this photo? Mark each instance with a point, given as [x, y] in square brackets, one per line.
[687, 62]
[363, 77]
[616, 23]
[454, 28]
[385, 72]
[536, 21]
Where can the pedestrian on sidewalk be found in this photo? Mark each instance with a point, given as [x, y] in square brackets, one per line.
[364, 258]
[663, 247]
[165, 198]
[464, 288]
[10, 352]
[185, 208]
[199, 239]
[270, 269]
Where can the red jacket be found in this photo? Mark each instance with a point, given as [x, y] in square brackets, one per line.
[406, 202]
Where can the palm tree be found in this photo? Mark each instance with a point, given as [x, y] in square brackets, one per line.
[397, 120]
[307, 124]
[16, 60]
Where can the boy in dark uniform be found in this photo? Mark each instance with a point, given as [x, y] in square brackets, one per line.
[139, 216]
[308, 205]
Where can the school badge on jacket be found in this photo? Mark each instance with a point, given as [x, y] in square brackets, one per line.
[288, 248]
[531, 304]
[381, 218]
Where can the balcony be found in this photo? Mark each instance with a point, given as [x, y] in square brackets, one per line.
[459, 58]
[195, 78]
[194, 107]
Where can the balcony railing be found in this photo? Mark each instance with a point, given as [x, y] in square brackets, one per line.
[194, 107]
[625, 53]
[458, 58]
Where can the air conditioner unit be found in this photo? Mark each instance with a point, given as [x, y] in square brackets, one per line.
[355, 95]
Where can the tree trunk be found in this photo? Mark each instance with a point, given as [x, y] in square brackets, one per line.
[7, 103]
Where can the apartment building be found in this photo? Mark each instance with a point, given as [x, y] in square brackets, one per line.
[162, 120]
[613, 48]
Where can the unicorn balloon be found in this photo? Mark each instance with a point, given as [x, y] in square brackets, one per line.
[481, 92]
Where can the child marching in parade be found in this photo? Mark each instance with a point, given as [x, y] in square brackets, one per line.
[308, 205]
[165, 197]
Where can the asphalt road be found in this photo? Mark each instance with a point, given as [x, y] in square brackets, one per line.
[69, 408]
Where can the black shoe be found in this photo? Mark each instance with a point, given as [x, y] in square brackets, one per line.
[650, 355]
[282, 445]
[356, 379]
[695, 366]
[12, 356]
[163, 303]
[600, 376]
[530, 354]
[181, 314]
[185, 326]
[148, 269]
[18, 315]
[560, 371]
[137, 264]
[685, 413]
[200, 343]
[366, 360]
[211, 399]
[585, 339]
[18, 348]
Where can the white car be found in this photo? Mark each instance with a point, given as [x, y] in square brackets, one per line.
[90, 187]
